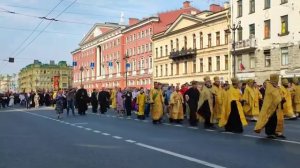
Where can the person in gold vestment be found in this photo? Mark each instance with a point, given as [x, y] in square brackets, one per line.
[141, 102]
[296, 96]
[217, 99]
[176, 112]
[271, 114]
[232, 117]
[156, 101]
[287, 106]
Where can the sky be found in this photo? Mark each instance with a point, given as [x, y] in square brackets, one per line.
[26, 37]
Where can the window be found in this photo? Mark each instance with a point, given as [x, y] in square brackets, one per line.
[267, 29]
[171, 65]
[194, 41]
[147, 47]
[252, 30]
[226, 36]
[156, 52]
[284, 56]
[172, 47]
[226, 62]
[252, 6]
[185, 42]
[177, 44]
[284, 25]
[209, 64]
[239, 62]
[185, 67]
[177, 68]
[201, 40]
[194, 66]
[218, 38]
[150, 47]
[166, 72]
[267, 4]
[240, 8]
[142, 64]
[209, 40]
[143, 48]
[267, 54]
[139, 50]
[252, 60]
[201, 64]
[240, 34]
[150, 62]
[284, 1]
[161, 70]
[161, 51]
[166, 48]
[156, 71]
[218, 63]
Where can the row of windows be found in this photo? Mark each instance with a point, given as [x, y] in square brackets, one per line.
[139, 82]
[267, 29]
[110, 57]
[194, 43]
[139, 50]
[111, 44]
[142, 34]
[267, 5]
[164, 69]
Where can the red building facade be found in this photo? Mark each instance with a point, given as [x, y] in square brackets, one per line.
[110, 47]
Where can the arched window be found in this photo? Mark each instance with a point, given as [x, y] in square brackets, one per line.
[177, 44]
[194, 41]
[185, 42]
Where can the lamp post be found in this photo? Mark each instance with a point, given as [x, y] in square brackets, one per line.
[81, 70]
[126, 71]
[233, 28]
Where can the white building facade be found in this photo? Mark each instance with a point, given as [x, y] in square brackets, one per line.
[269, 38]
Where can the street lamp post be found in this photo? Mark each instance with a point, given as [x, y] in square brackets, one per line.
[81, 70]
[126, 71]
[234, 27]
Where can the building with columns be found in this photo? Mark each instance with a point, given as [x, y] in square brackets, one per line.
[101, 58]
[269, 38]
[194, 46]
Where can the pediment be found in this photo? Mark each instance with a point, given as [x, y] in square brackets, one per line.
[183, 21]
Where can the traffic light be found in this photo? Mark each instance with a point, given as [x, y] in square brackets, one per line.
[11, 60]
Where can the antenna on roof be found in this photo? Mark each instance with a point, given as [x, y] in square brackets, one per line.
[122, 22]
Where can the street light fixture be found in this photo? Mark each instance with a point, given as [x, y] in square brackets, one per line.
[234, 27]
[126, 71]
[81, 70]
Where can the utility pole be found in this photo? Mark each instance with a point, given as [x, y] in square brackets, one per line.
[81, 70]
[126, 71]
[234, 27]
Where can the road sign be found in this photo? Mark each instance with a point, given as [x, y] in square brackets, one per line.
[74, 63]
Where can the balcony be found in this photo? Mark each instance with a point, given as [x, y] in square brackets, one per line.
[246, 45]
[183, 54]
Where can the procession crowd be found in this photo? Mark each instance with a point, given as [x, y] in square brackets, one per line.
[229, 106]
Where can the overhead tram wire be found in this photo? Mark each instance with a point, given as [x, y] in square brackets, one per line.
[28, 44]
[33, 31]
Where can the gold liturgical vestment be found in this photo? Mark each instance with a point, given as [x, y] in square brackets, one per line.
[156, 100]
[176, 101]
[251, 96]
[232, 94]
[271, 105]
[296, 98]
[206, 95]
[218, 101]
[287, 106]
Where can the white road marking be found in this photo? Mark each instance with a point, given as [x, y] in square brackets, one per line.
[180, 156]
[96, 131]
[136, 119]
[228, 133]
[88, 129]
[145, 121]
[79, 126]
[106, 134]
[177, 125]
[166, 124]
[113, 116]
[210, 130]
[252, 136]
[130, 141]
[80, 123]
[117, 137]
[192, 127]
[288, 141]
[128, 118]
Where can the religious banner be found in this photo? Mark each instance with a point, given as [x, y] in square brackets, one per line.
[55, 82]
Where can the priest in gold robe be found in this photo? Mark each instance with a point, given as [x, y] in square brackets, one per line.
[296, 96]
[113, 98]
[176, 108]
[217, 99]
[251, 98]
[156, 101]
[141, 102]
[233, 118]
[288, 110]
[271, 114]
[205, 104]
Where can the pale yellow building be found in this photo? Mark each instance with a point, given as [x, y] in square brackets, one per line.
[192, 47]
[39, 76]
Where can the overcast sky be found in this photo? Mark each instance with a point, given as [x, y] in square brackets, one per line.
[60, 38]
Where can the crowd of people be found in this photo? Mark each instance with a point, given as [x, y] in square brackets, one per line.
[229, 106]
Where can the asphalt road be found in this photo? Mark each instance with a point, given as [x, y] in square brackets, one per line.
[36, 139]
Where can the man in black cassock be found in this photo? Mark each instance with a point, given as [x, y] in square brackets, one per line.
[94, 101]
[47, 99]
[128, 101]
[192, 98]
[103, 100]
[81, 99]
